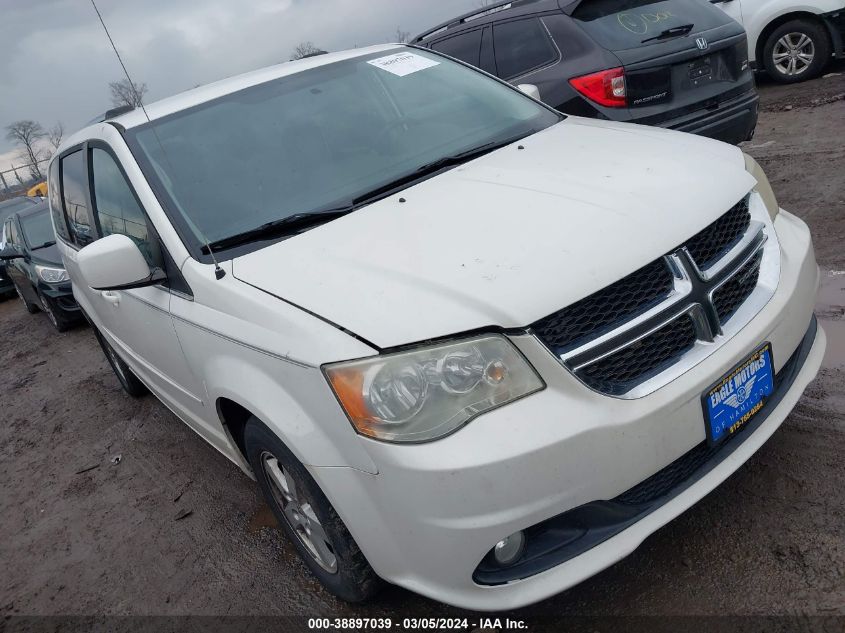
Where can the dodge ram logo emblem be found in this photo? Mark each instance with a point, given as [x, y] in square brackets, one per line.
[701, 43]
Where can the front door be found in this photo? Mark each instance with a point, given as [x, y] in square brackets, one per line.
[135, 322]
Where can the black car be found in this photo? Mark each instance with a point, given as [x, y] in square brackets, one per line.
[34, 265]
[7, 208]
[680, 64]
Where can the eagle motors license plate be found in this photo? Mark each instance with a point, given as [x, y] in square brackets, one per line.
[731, 402]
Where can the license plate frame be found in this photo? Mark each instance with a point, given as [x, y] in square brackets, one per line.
[736, 402]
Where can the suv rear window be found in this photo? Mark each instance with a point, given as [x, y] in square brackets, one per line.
[618, 25]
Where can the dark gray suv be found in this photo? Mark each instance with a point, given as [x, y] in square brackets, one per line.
[681, 64]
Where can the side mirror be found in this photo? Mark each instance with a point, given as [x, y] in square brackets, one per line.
[115, 263]
[10, 252]
[531, 90]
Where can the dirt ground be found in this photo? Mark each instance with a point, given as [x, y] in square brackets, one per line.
[94, 482]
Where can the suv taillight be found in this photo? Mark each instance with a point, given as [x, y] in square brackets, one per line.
[606, 87]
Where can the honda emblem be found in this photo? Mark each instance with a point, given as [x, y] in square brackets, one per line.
[701, 43]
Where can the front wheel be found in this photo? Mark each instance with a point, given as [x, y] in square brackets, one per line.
[797, 50]
[59, 320]
[30, 307]
[307, 518]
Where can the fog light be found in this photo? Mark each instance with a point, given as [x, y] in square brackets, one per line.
[508, 550]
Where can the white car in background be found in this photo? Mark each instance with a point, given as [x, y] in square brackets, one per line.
[792, 40]
[465, 343]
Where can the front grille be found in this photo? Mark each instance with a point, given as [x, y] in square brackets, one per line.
[573, 333]
[711, 243]
[617, 373]
[597, 313]
[737, 289]
[666, 480]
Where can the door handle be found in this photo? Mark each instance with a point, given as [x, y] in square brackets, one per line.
[111, 297]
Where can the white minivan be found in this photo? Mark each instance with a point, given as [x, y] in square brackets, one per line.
[792, 40]
[465, 344]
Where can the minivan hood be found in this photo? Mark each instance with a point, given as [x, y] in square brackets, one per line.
[509, 238]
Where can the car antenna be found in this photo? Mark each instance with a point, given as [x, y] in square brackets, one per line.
[219, 273]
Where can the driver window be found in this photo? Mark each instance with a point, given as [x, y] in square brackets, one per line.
[116, 208]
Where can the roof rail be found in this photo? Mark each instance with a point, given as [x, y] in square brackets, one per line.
[115, 112]
[110, 114]
[468, 17]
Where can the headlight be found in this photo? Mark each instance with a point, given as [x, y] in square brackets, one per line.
[51, 275]
[426, 393]
[764, 188]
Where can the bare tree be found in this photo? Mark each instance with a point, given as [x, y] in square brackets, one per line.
[126, 93]
[26, 134]
[305, 49]
[55, 135]
[401, 37]
[17, 175]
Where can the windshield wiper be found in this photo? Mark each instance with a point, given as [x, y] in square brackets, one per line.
[44, 245]
[279, 228]
[430, 168]
[301, 221]
[675, 31]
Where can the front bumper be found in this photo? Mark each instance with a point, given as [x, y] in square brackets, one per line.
[433, 512]
[61, 299]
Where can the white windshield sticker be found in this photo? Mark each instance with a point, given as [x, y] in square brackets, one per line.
[401, 64]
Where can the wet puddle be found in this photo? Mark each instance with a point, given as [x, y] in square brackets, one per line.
[263, 517]
[830, 308]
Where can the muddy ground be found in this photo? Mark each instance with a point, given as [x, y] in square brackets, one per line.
[770, 540]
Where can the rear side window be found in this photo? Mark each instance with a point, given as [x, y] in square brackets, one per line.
[522, 46]
[623, 24]
[466, 47]
[55, 193]
[74, 197]
[116, 208]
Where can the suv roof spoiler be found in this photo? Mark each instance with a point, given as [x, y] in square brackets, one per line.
[495, 7]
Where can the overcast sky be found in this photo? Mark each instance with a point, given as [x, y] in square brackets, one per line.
[56, 63]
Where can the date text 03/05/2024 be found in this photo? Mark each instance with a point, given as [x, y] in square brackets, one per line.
[414, 624]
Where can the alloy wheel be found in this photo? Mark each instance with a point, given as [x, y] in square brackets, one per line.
[793, 53]
[299, 513]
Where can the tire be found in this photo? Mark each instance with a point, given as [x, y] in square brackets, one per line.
[30, 307]
[796, 51]
[59, 320]
[128, 380]
[307, 518]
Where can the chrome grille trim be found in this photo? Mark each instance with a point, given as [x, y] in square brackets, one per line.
[691, 296]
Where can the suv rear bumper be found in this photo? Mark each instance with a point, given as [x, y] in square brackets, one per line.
[733, 122]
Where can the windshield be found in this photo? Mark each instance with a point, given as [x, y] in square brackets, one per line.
[14, 205]
[623, 24]
[323, 138]
[37, 228]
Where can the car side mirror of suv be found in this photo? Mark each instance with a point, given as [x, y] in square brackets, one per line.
[531, 90]
[115, 263]
[10, 252]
